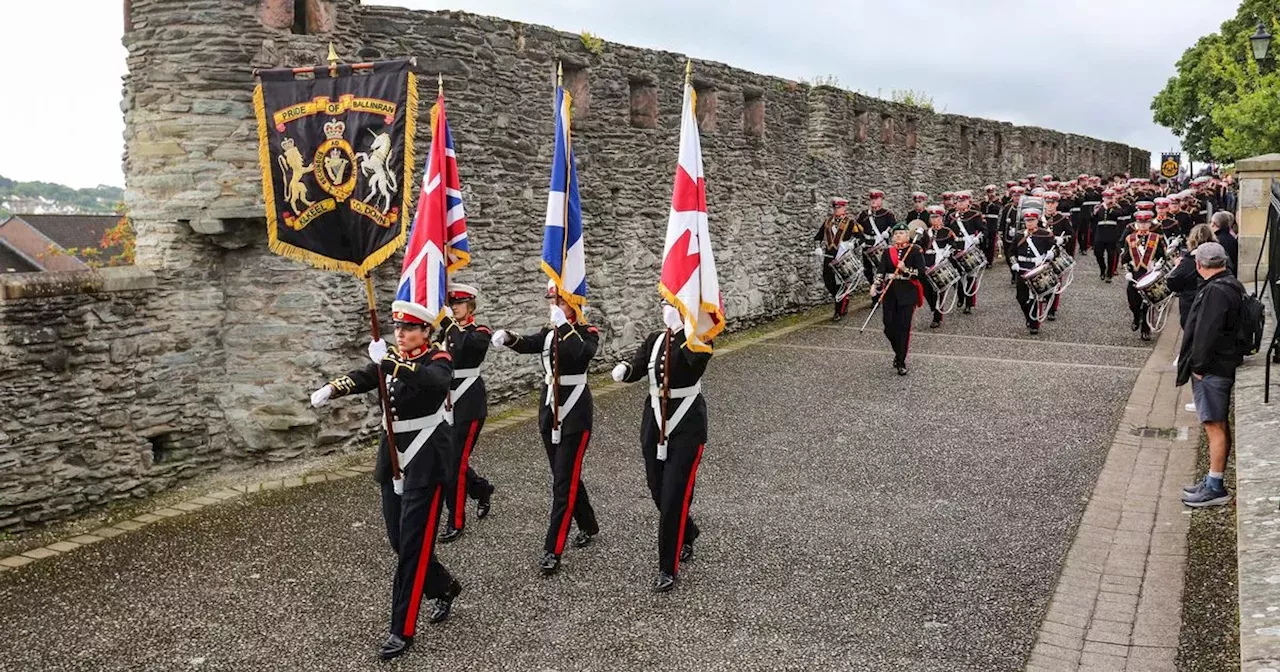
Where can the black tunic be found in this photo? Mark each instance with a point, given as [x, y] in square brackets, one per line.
[416, 389]
[468, 344]
[686, 369]
[577, 345]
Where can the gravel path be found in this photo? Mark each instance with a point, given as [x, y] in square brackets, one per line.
[852, 519]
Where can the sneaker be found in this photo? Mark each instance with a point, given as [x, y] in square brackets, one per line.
[1188, 490]
[1191, 407]
[1206, 497]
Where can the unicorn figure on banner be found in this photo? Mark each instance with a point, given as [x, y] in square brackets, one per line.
[377, 162]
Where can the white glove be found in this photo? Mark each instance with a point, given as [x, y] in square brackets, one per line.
[321, 396]
[1128, 276]
[620, 371]
[818, 250]
[377, 350]
[500, 338]
[558, 317]
[672, 318]
[397, 484]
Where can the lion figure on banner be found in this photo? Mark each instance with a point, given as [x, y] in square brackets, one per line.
[293, 168]
[376, 165]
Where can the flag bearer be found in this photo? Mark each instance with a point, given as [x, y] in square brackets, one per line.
[468, 343]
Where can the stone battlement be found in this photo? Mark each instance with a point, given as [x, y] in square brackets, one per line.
[239, 337]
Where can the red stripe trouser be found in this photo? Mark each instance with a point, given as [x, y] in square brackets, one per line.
[569, 500]
[466, 482]
[671, 485]
[411, 521]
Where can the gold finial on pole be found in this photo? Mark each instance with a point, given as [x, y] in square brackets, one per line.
[688, 70]
[440, 84]
[559, 73]
[333, 61]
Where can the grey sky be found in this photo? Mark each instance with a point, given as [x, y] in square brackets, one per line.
[1083, 66]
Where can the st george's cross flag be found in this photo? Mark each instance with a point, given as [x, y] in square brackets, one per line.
[563, 255]
[438, 239]
[689, 279]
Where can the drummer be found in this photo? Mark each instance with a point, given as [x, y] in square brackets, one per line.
[1011, 228]
[1034, 248]
[875, 223]
[833, 236]
[938, 245]
[1143, 252]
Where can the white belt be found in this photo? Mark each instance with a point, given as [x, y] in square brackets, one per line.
[1093, 203]
[677, 392]
[1075, 209]
[1108, 222]
[466, 373]
[993, 216]
[579, 383]
[574, 379]
[468, 378]
[424, 426]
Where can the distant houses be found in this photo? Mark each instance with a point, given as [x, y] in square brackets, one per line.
[45, 242]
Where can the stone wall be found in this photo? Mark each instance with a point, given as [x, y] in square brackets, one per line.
[243, 336]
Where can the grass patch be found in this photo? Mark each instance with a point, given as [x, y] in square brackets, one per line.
[1210, 637]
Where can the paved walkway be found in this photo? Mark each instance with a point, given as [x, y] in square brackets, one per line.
[852, 518]
[1118, 602]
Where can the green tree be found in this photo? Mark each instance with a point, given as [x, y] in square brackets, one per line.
[1219, 103]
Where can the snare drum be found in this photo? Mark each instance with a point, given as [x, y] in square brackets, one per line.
[943, 275]
[875, 254]
[1042, 279]
[1153, 287]
[1062, 261]
[846, 265]
[971, 260]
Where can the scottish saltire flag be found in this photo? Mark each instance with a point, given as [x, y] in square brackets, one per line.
[438, 238]
[689, 279]
[563, 256]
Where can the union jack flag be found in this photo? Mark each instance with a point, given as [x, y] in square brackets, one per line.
[438, 238]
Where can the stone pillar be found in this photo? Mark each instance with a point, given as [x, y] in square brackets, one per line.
[1256, 175]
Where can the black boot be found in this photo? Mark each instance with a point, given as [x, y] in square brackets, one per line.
[686, 552]
[937, 322]
[482, 509]
[550, 563]
[450, 534]
[582, 539]
[394, 647]
[664, 583]
[443, 605]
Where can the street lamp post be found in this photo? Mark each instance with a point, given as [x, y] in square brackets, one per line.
[1261, 43]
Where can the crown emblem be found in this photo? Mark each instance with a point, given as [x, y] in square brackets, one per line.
[335, 129]
[286, 143]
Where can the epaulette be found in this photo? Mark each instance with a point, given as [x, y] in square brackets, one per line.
[483, 329]
[442, 355]
[592, 329]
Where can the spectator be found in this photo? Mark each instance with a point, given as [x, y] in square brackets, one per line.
[1208, 360]
[1183, 279]
[1223, 229]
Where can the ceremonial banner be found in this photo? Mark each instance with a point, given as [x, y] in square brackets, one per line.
[563, 253]
[438, 243]
[335, 144]
[689, 280]
[1170, 163]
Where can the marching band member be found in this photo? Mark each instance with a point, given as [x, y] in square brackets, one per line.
[1063, 230]
[876, 223]
[1008, 192]
[1143, 251]
[949, 204]
[1011, 228]
[1034, 247]
[673, 433]
[968, 226]
[566, 346]
[835, 230]
[1091, 198]
[1166, 221]
[899, 278]
[467, 343]
[1109, 219]
[918, 211]
[1181, 212]
[991, 231]
[939, 244]
[419, 374]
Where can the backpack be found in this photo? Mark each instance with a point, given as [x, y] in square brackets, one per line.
[1249, 326]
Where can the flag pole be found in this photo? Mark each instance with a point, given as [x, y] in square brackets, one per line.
[382, 380]
[555, 373]
[444, 340]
